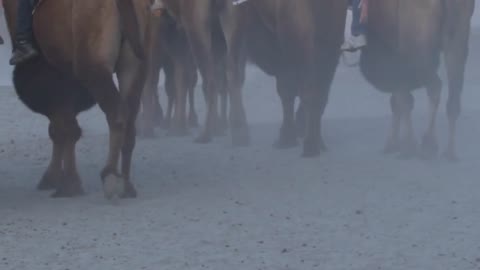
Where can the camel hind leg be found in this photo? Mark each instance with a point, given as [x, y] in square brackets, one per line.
[287, 137]
[192, 114]
[222, 88]
[315, 101]
[197, 24]
[131, 77]
[65, 132]
[152, 113]
[170, 91]
[235, 60]
[178, 127]
[456, 53]
[393, 141]
[405, 101]
[54, 173]
[314, 98]
[98, 80]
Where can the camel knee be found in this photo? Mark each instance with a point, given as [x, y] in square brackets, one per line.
[61, 133]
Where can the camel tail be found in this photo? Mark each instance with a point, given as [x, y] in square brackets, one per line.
[131, 26]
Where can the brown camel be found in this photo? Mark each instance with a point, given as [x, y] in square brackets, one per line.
[298, 43]
[203, 28]
[406, 39]
[82, 44]
[170, 52]
[301, 42]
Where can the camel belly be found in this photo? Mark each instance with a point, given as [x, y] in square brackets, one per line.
[390, 71]
[404, 43]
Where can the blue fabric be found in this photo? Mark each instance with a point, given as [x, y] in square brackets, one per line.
[24, 22]
[357, 28]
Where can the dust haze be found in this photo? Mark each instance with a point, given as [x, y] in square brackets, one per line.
[219, 207]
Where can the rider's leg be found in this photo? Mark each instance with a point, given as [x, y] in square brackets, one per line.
[23, 47]
[357, 39]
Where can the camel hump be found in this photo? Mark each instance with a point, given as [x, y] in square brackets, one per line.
[131, 26]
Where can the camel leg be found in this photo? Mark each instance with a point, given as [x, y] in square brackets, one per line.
[151, 110]
[71, 185]
[300, 118]
[456, 53]
[314, 98]
[287, 137]
[315, 101]
[222, 88]
[224, 111]
[393, 141]
[152, 113]
[155, 66]
[131, 78]
[170, 91]
[179, 125]
[54, 173]
[236, 59]
[456, 49]
[409, 147]
[100, 83]
[222, 95]
[117, 113]
[192, 114]
[429, 141]
[159, 119]
[311, 144]
[127, 152]
[197, 23]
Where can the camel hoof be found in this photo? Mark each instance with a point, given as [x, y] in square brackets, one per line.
[113, 187]
[50, 181]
